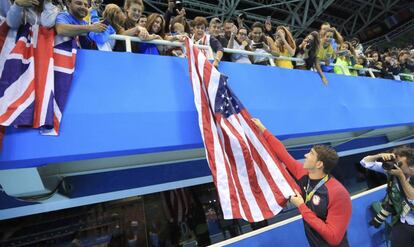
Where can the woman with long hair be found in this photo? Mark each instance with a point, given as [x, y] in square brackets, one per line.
[284, 45]
[308, 51]
[155, 27]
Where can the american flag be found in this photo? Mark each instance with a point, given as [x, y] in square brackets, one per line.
[252, 183]
[35, 80]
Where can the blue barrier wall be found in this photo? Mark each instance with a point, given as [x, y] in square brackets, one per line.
[292, 234]
[123, 104]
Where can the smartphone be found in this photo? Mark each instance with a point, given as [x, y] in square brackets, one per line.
[268, 19]
[258, 45]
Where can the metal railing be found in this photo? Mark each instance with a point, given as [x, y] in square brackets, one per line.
[129, 39]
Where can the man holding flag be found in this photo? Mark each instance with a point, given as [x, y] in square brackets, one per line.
[246, 163]
[325, 205]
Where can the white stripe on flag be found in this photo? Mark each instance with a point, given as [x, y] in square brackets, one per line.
[277, 175]
[219, 154]
[20, 57]
[263, 183]
[16, 90]
[63, 52]
[63, 70]
[20, 109]
[267, 191]
[213, 86]
[56, 110]
[221, 174]
[243, 176]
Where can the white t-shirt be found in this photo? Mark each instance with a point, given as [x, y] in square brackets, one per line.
[239, 58]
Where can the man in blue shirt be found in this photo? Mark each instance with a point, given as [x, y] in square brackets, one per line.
[71, 24]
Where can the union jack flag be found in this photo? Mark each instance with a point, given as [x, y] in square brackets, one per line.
[251, 181]
[35, 80]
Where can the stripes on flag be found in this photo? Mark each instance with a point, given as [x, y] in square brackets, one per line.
[251, 182]
[35, 80]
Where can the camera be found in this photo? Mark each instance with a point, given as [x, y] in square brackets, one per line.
[389, 164]
[385, 210]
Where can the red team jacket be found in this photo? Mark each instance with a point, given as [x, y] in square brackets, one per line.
[326, 216]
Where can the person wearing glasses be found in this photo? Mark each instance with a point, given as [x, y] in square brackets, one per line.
[239, 41]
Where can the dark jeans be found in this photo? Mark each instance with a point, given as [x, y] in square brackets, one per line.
[402, 235]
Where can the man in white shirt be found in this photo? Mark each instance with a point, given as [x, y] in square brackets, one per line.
[402, 178]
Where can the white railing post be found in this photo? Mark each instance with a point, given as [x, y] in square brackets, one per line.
[371, 73]
[128, 44]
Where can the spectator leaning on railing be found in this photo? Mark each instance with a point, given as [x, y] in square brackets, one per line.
[308, 51]
[326, 52]
[214, 30]
[200, 37]
[71, 24]
[41, 12]
[155, 27]
[133, 10]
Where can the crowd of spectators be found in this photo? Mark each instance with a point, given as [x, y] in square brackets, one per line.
[91, 24]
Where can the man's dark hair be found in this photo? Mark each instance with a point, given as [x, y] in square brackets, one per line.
[407, 153]
[328, 156]
[258, 24]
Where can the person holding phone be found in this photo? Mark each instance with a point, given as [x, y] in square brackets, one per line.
[259, 44]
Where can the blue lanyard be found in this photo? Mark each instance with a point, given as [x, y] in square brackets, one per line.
[310, 194]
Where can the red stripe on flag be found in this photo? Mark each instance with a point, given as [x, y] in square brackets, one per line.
[2, 133]
[280, 199]
[252, 176]
[4, 29]
[235, 175]
[207, 73]
[206, 112]
[208, 137]
[13, 107]
[64, 61]
[43, 54]
[209, 145]
[282, 169]
[56, 124]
